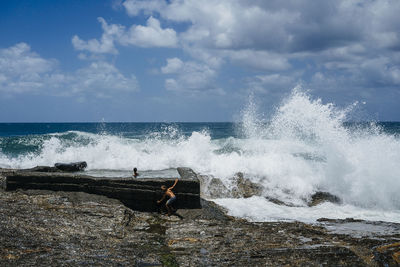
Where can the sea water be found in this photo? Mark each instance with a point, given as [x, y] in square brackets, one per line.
[305, 146]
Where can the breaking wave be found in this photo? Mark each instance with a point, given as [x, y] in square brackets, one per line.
[305, 147]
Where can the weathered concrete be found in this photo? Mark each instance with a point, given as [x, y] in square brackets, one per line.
[41, 169]
[187, 173]
[137, 194]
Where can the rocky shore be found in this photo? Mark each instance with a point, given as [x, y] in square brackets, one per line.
[53, 228]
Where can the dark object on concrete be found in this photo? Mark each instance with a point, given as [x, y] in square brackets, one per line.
[71, 167]
[321, 197]
[137, 194]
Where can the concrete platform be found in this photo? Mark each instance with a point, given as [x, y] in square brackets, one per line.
[135, 193]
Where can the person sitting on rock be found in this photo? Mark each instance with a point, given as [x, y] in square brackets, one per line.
[135, 173]
[168, 193]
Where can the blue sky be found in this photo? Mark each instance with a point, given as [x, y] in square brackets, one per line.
[191, 60]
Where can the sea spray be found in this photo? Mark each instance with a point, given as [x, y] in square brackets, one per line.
[311, 150]
[304, 147]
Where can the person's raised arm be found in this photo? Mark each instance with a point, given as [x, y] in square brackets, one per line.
[176, 180]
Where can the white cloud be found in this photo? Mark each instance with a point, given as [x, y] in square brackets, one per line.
[379, 71]
[105, 45]
[25, 71]
[278, 27]
[271, 83]
[191, 77]
[260, 59]
[223, 24]
[103, 79]
[384, 23]
[343, 40]
[19, 59]
[134, 7]
[151, 35]
[173, 66]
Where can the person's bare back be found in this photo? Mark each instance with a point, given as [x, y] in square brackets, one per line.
[168, 192]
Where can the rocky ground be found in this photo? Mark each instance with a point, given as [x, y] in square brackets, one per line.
[46, 228]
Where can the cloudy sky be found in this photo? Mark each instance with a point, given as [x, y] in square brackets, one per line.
[194, 60]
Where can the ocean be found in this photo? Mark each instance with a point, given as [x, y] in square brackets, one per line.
[304, 147]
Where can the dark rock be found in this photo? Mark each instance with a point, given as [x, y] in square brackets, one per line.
[54, 228]
[215, 211]
[212, 187]
[321, 197]
[216, 189]
[71, 167]
[245, 188]
[388, 254]
[278, 202]
[347, 220]
[45, 228]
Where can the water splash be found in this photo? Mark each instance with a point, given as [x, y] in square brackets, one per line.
[359, 165]
[253, 123]
[302, 148]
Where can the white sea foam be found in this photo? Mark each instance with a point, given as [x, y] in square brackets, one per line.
[306, 149]
[303, 148]
[258, 209]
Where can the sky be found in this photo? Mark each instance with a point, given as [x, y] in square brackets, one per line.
[194, 60]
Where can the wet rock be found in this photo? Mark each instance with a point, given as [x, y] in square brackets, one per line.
[321, 197]
[212, 187]
[2, 181]
[216, 189]
[52, 228]
[347, 220]
[245, 188]
[46, 228]
[74, 229]
[388, 255]
[279, 202]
